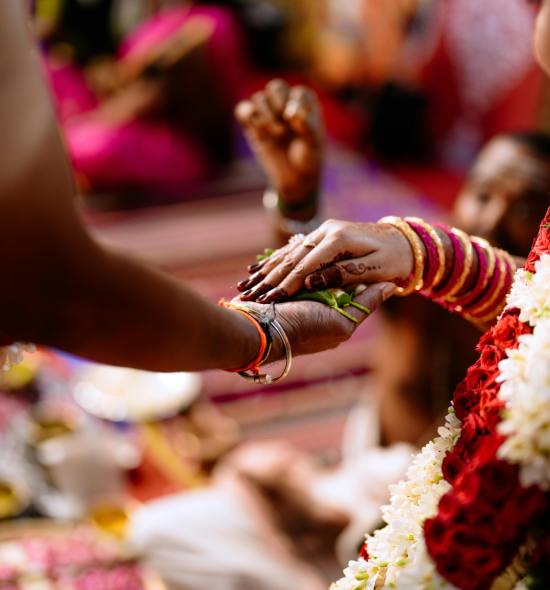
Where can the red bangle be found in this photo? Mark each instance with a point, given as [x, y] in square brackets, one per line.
[430, 269]
[486, 267]
[254, 365]
[507, 268]
[458, 264]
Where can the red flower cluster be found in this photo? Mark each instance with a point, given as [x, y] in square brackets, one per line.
[485, 517]
[541, 244]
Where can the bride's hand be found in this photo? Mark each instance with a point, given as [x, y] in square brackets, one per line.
[337, 253]
[313, 327]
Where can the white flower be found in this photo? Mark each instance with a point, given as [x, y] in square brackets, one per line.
[531, 292]
[398, 550]
[525, 377]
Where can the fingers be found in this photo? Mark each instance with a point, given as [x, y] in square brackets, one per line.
[288, 278]
[277, 95]
[279, 109]
[365, 269]
[303, 114]
[277, 268]
[370, 300]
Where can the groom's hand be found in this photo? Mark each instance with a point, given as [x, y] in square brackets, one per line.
[313, 327]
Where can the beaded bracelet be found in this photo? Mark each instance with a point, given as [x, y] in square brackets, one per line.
[414, 282]
[435, 269]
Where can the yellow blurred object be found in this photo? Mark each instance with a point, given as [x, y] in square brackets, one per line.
[20, 375]
[10, 502]
[111, 517]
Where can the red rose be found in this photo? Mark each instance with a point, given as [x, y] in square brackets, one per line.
[486, 340]
[467, 487]
[486, 450]
[471, 437]
[364, 553]
[491, 357]
[464, 400]
[450, 508]
[478, 378]
[484, 560]
[498, 480]
[524, 505]
[452, 467]
[436, 535]
[507, 331]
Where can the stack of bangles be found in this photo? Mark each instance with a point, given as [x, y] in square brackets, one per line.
[251, 372]
[451, 282]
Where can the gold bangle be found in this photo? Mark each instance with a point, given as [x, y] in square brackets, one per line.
[468, 262]
[416, 282]
[501, 255]
[491, 258]
[439, 247]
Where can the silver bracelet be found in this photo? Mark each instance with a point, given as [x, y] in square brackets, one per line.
[264, 378]
[289, 226]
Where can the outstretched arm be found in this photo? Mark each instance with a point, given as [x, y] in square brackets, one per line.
[61, 288]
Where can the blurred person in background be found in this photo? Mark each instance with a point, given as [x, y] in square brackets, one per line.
[163, 96]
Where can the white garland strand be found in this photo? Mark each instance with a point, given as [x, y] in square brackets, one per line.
[398, 557]
[525, 377]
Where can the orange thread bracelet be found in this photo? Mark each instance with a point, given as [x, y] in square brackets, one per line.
[253, 366]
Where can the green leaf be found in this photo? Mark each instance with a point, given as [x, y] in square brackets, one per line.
[323, 296]
[266, 254]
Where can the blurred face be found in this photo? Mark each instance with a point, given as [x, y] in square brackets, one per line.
[542, 35]
[506, 196]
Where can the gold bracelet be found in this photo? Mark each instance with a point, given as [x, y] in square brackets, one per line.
[416, 282]
[468, 262]
[501, 256]
[491, 258]
[439, 247]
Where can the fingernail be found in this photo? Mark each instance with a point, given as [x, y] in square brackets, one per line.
[316, 281]
[275, 296]
[255, 279]
[254, 267]
[243, 285]
[388, 291]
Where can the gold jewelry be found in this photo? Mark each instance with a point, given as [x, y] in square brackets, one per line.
[416, 282]
[439, 247]
[491, 258]
[468, 262]
[502, 263]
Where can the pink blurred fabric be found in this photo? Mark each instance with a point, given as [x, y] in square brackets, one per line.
[147, 155]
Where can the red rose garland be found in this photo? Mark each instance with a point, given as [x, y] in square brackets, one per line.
[487, 515]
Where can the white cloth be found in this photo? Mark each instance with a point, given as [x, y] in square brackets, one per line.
[205, 539]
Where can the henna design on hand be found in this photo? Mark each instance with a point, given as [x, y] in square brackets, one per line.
[338, 258]
[360, 268]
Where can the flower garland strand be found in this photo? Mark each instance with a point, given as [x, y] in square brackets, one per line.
[467, 506]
